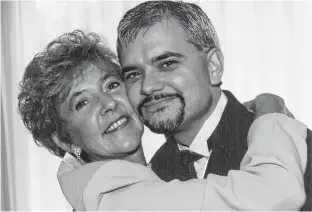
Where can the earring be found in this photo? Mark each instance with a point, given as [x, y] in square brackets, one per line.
[77, 152]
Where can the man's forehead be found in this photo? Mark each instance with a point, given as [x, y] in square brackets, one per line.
[155, 41]
[163, 31]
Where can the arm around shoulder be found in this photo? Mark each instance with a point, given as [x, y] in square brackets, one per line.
[270, 178]
[271, 175]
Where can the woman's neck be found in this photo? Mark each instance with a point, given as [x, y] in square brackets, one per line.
[136, 157]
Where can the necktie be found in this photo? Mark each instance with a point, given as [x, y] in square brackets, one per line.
[187, 160]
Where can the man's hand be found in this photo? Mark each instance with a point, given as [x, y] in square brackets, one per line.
[267, 103]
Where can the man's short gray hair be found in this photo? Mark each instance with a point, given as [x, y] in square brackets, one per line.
[196, 24]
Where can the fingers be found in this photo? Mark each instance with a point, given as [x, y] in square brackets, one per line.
[267, 103]
[250, 105]
[288, 113]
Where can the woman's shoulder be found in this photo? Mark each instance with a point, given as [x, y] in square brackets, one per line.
[94, 178]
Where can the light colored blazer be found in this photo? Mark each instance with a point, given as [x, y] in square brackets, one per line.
[271, 178]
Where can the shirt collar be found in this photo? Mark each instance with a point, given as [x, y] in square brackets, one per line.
[199, 144]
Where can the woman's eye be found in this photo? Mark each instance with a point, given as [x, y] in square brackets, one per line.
[81, 104]
[113, 85]
[132, 75]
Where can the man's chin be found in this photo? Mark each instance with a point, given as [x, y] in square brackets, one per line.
[162, 127]
[165, 121]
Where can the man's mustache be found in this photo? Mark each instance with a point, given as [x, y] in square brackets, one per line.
[158, 97]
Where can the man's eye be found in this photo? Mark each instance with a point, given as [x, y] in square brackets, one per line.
[132, 75]
[113, 85]
[168, 64]
[81, 104]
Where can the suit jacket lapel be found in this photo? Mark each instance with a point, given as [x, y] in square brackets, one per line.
[308, 175]
[166, 162]
[229, 139]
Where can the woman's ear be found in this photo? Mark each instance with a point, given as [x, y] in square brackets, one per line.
[214, 62]
[64, 146]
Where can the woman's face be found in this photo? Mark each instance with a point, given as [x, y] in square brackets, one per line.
[99, 117]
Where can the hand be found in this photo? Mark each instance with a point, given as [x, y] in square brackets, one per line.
[267, 103]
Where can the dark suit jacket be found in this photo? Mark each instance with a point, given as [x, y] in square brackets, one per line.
[308, 175]
[229, 145]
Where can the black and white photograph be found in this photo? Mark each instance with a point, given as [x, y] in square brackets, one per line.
[194, 105]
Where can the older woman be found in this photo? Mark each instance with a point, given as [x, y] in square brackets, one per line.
[73, 100]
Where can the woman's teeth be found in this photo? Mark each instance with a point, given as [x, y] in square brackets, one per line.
[116, 124]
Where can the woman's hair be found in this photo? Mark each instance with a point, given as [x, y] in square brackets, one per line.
[48, 79]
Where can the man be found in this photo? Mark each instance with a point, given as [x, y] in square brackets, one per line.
[172, 66]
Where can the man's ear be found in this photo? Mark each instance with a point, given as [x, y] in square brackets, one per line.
[214, 62]
[64, 146]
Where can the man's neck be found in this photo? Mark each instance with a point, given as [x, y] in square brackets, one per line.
[186, 135]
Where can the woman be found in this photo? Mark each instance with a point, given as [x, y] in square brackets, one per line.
[73, 100]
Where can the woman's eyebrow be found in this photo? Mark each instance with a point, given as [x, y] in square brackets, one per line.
[105, 77]
[73, 96]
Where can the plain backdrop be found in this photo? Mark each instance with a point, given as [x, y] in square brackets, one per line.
[266, 46]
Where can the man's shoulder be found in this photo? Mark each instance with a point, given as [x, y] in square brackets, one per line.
[309, 135]
[235, 115]
[235, 107]
[308, 174]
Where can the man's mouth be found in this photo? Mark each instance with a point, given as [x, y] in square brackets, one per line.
[117, 123]
[158, 102]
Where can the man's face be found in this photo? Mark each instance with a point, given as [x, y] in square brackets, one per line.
[166, 77]
[98, 114]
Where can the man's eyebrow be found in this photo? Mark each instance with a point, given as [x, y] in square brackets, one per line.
[160, 57]
[166, 55]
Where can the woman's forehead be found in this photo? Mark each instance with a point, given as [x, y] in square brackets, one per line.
[107, 67]
[98, 66]
[93, 73]
[91, 69]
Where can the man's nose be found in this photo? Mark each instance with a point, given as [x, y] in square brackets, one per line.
[151, 84]
[108, 103]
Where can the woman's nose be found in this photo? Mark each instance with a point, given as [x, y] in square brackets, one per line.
[108, 104]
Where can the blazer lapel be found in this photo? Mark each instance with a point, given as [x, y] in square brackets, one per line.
[229, 140]
[308, 175]
[165, 161]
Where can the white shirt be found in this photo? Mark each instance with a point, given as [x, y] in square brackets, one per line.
[199, 144]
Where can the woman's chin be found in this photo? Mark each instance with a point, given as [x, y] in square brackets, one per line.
[131, 148]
